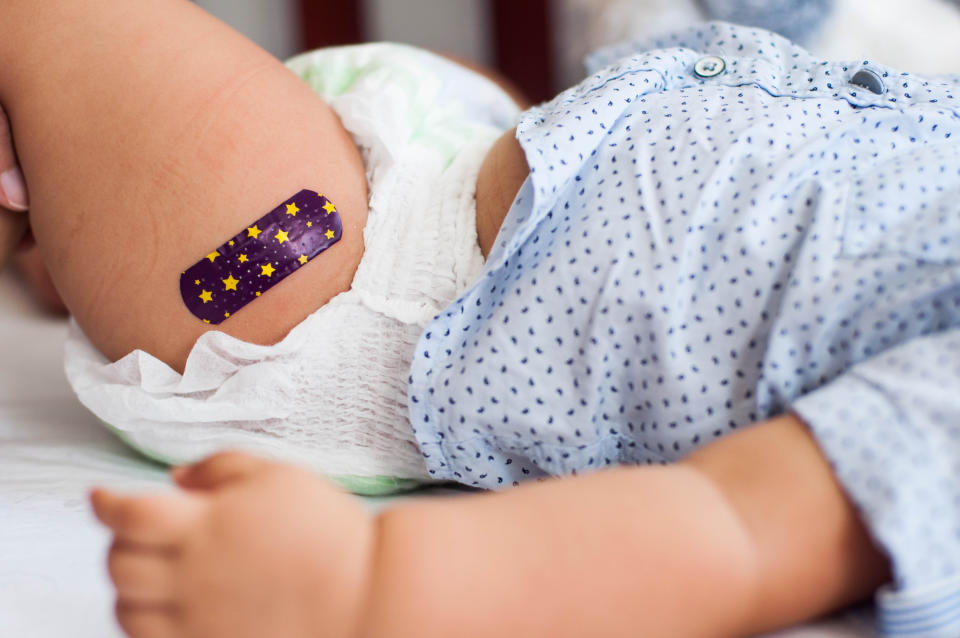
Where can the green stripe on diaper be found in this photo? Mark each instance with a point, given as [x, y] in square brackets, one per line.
[410, 83]
[359, 485]
[331, 81]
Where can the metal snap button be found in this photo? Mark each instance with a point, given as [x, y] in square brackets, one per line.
[869, 80]
[709, 66]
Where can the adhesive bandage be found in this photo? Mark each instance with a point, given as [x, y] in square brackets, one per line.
[260, 256]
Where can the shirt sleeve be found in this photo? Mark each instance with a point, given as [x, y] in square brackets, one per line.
[890, 427]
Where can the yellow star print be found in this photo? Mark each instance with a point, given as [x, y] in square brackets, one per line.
[230, 283]
[231, 242]
[330, 234]
[329, 207]
[213, 256]
[303, 260]
[242, 259]
[267, 270]
[196, 282]
[226, 315]
[292, 209]
[309, 224]
[206, 296]
[253, 232]
[281, 236]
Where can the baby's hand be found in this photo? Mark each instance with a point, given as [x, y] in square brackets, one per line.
[248, 548]
[13, 194]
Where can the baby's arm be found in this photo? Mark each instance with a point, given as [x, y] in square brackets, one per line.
[149, 133]
[749, 534]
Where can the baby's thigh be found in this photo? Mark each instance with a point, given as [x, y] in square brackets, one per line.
[150, 134]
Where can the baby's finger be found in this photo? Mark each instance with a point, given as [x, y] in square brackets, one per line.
[159, 520]
[13, 189]
[218, 470]
[147, 621]
[141, 575]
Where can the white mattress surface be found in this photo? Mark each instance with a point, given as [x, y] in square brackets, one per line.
[53, 580]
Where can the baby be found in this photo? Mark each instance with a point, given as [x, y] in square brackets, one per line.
[720, 253]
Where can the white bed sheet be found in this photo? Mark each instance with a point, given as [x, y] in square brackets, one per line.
[53, 581]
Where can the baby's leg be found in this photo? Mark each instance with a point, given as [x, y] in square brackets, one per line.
[150, 133]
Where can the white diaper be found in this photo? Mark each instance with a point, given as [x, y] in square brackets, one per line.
[333, 393]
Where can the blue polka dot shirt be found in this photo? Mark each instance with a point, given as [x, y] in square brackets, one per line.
[713, 232]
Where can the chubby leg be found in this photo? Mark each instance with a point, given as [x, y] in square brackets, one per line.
[149, 133]
[719, 546]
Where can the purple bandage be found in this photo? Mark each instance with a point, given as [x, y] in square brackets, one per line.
[259, 257]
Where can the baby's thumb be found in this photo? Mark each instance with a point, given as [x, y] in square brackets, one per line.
[219, 470]
[13, 189]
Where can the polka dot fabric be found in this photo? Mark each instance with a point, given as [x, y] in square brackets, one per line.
[691, 255]
[891, 428]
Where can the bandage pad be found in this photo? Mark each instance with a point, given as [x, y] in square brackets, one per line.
[260, 256]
